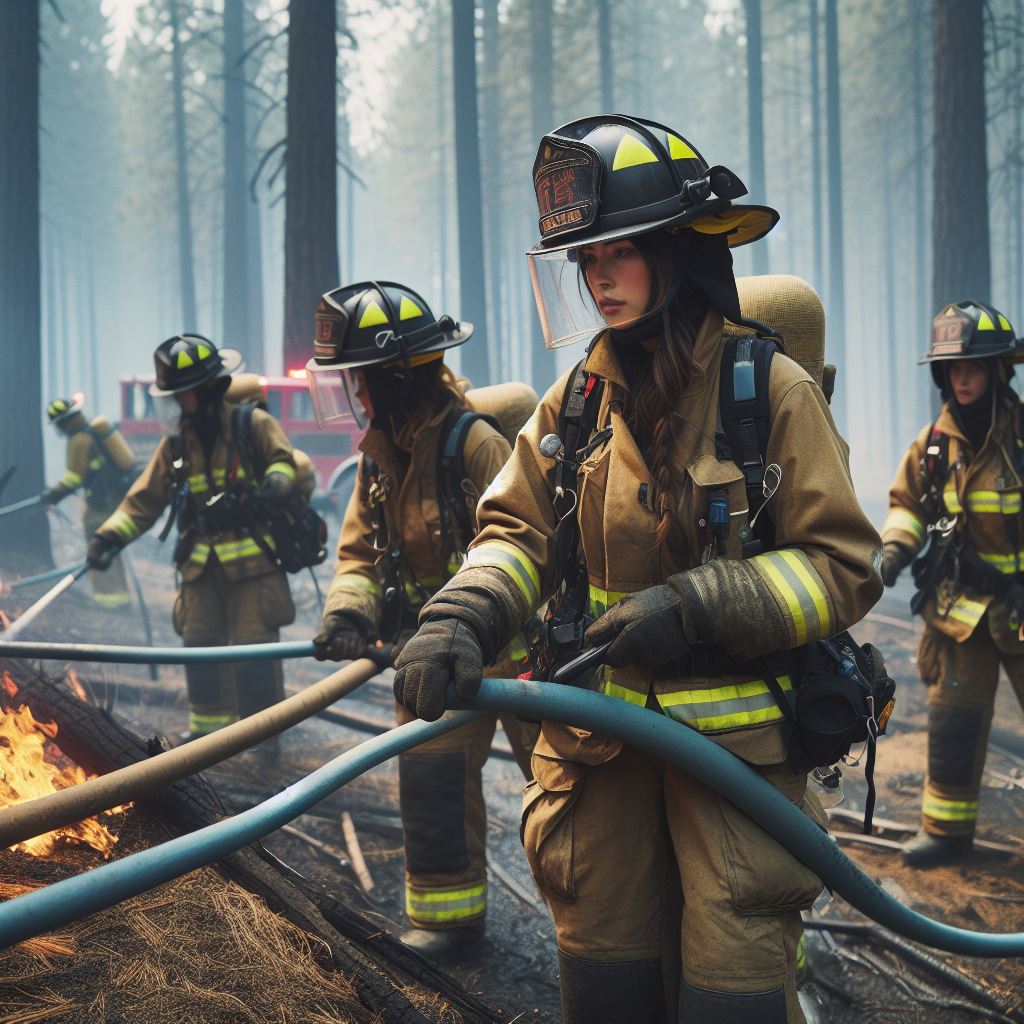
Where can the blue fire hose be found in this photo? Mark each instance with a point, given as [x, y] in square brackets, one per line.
[68, 900]
[156, 655]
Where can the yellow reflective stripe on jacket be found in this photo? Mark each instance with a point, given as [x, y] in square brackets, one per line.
[599, 601]
[905, 520]
[230, 550]
[731, 706]
[1004, 563]
[502, 555]
[790, 574]
[71, 480]
[1005, 503]
[286, 468]
[355, 582]
[952, 501]
[610, 689]
[199, 484]
[948, 810]
[123, 525]
[435, 905]
[966, 611]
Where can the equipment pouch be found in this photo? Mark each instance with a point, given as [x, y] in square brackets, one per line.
[547, 824]
[844, 696]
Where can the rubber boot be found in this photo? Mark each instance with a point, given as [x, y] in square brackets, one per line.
[601, 992]
[447, 946]
[928, 851]
[702, 1006]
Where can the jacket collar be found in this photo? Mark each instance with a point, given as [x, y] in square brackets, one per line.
[602, 360]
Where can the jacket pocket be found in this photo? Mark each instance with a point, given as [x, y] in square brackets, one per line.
[547, 824]
[764, 877]
[178, 612]
[930, 651]
[709, 477]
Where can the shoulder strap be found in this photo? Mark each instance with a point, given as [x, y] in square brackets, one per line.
[577, 420]
[745, 413]
[243, 449]
[457, 526]
[934, 467]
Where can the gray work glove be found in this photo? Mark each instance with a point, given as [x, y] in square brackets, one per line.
[724, 602]
[646, 626]
[275, 489]
[343, 636]
[895, 558]
[441, 651]
[102, 551]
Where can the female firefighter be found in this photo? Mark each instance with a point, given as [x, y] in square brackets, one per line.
[426, 459]
[960, 483]
[232, 590]
[662, 893]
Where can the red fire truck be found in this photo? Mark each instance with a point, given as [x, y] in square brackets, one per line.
[334, 450]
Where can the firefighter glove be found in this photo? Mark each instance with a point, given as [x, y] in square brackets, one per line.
[343, 636]
[646, 626]
[53, 495]
[895, 558]
[102, 551]
[441, 651]
[275, 489]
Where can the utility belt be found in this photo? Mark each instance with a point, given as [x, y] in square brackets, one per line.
[972, 571]
[712, 662]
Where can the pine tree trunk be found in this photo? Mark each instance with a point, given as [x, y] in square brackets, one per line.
[441, 128]
[186, 271]
[960, 233]
[817, 224]
[472, 283]
[311, 190]
[26, 535]
[836, 290]
[237, 330]
[542, 121]
[922, 307]
[755, 121]
[491, 93]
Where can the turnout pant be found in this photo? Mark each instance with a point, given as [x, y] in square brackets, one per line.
[213, 611]
[962, 682]
[664, 894]
[444, 818]
[109, 588]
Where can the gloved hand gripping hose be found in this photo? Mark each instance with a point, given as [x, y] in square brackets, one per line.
[66, 901]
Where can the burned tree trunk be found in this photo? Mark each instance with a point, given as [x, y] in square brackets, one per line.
[311, 189]
[21, 399]
[960, 233]
[186, 270]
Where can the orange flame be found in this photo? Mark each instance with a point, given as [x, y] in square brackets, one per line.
[31, 766]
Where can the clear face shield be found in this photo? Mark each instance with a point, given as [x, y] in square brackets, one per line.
[568, 312]
[338, 395]
[168, 412]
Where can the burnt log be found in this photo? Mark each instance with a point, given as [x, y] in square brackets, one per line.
[379, 967]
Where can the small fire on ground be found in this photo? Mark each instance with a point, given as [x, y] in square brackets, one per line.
[31, 766]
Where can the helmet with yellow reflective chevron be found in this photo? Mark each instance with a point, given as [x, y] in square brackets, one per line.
[60, 410]
[188, 361]
[373, 324]
[970, 330]
[610, 177]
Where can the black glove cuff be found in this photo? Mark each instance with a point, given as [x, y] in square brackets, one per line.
[480, 608]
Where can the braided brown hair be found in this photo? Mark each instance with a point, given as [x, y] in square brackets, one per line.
[653, 394]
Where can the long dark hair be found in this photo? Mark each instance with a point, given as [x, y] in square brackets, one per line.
[653, 394]
[405, 406]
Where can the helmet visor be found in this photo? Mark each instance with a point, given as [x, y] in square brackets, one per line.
[567, 310]
[168, 412]
[337, 395]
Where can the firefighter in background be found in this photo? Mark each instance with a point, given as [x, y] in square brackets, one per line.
[232, 591]
[960, 485]
[662, 893]
[402, 537]
[100, 461]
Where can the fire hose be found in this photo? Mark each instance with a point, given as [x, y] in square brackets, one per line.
[32, 612]
[73, 898]
[124, 655]
[35, 817]
[44, 577]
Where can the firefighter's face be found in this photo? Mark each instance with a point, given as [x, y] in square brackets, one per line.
[619, 280]
[968, 378]
[363, 393]
[188, 400]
